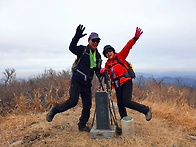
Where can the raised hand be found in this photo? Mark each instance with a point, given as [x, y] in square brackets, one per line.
[79, 31]
[138, 32]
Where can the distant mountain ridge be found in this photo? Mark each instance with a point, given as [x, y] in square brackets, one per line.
[176, 78]
[178, 81]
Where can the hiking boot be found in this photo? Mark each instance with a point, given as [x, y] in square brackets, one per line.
[149, 115]
[84, 128]
[50, 114]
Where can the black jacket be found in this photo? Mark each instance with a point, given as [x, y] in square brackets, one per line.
[85, 73]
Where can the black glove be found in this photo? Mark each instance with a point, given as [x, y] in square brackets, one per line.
[105, 74]
[79, 31]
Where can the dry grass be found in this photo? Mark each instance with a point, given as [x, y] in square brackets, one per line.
[184, 115]
[12, 125]
[51, 88]
[175, 103]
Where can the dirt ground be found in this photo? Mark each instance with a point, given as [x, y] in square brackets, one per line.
[32, 130]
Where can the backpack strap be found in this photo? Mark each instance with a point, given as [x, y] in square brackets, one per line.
[120, 62]
[126, 74]
[81, 56]
[130, 72]
[78, 60]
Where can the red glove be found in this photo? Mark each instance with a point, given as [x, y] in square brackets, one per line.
[102, 70]
[138, 32]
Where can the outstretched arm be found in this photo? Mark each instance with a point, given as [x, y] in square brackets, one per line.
[125, 51]
[79, 34]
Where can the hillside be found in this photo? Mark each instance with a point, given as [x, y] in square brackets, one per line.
[169, 126]
[25, 103]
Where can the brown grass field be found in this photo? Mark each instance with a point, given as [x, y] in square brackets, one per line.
[25, 103]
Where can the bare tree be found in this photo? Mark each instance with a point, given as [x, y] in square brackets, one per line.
[9, 75]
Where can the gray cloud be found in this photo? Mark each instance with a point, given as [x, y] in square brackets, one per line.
[36, 34]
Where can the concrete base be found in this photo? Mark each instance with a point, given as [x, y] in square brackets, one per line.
[102, 133]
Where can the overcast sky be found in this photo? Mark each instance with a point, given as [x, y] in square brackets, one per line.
[35, 34]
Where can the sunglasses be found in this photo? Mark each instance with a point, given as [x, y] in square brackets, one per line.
[96, 40]
[108, 50]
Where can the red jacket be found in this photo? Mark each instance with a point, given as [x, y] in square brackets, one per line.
[119, 70]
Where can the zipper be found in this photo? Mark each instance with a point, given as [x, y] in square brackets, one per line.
[85, 77]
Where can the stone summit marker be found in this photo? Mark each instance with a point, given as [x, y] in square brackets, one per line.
[102, 114]
[102, 128]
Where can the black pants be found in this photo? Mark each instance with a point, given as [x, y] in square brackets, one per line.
[124, 96]
[77, 89]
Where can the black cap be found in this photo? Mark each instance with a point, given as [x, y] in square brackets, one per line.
[107, 47]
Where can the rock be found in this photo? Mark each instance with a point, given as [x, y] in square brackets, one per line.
[66, 126]
[16, 143]
[192, 137]
[175, 145]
